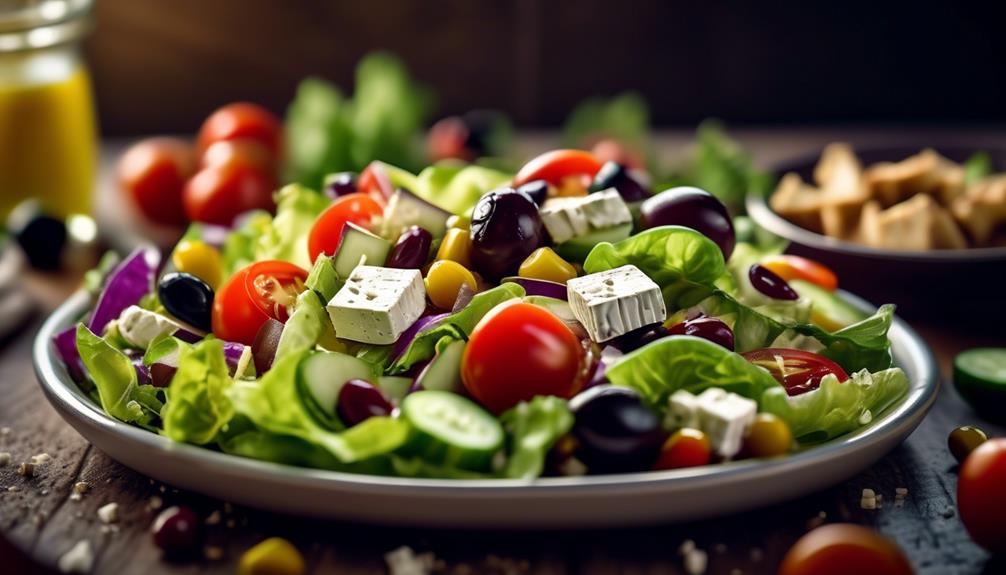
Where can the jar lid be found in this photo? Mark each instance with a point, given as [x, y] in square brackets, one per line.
[31, 24]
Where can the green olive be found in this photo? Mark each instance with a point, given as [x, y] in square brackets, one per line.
[963, 440]
[768, 436]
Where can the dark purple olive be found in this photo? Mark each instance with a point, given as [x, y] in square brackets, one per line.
[637, 338]
[161, 374]
[41, 237]
[411, 250]
[178, 532]
[188, 298]
[340, 184]
[767, 282]
[706, 327]
[615, 175]
[505, 229]
[538, 190]
[265, 344]
[465, 296]
[694, 208]
[616, 430]
[360, 400]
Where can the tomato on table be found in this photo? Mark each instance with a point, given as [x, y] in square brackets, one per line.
[242, 121]
[686, 447]
[218, 194]
[262, 291]
[790, 267]
[520, 350]
[153, 172]
[557, 167]
[981, 498]
[244, 152]
[798, 371]
[326, 235]
[842, 548]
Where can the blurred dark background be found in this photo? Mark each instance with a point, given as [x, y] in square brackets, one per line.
[162, 66]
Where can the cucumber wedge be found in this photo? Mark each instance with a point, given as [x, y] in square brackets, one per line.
[324, 373]
[451, 430]
[576, 249]
[828, 310]
[980, 378]
[444, 371]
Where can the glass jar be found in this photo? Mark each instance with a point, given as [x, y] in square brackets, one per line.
[48, 142]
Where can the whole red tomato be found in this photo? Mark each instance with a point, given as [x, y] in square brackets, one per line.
[153, 172]
[261, 291]
[518, 351]
[242, 121]
[844, 548]
[326, 235]
[218, 194]
[981, 494]
[239, 152]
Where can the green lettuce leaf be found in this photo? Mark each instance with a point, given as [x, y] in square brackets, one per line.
[456, 188]
[323, 278]
[836, 408]
[165, 349]
[198, 406]
[532, 428]
[305, 327]
[297, 207]
[862, 345]
[239, 247]
[690, 363]
[115, 379]
[977, 167]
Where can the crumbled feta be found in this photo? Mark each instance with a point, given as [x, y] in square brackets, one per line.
[81, 487]
[686, 547]
[682, 411]
[140, 327]
[79, 559]
[377, 304]
[40, 459]
[869, 493]
[900, 492]
[725, 416]
[615, 302]
[571, 217]
[109, 513]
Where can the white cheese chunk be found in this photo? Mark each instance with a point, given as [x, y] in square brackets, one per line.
[140, 327]
[682, 411]
[568, 218]
[614, 302]
[725, 417]
[79, 559]
[377, 304]
[109, 513]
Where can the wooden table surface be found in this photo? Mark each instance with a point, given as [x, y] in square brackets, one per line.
[38, 516]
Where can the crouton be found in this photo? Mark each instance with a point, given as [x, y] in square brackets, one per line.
[843, 195]
[924, 173]
[797, 202]
[918, 223]
[982, 210]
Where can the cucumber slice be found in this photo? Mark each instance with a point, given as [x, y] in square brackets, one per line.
[576, 249]
[828, 310]
[451, 430]
[395, 387]
[980, 378]
[358, 244]
[444, 371]
[324, 373]
[406, 209]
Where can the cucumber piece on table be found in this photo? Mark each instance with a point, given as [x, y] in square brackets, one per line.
[980, 378]
[451, 430]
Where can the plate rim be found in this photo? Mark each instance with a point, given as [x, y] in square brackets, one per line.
[66, 397]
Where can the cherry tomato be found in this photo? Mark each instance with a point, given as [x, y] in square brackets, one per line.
[981, 498]
[795, 267]
[611, 150]
[684, 448]
[244, 152]
[326, 235]
[551, 357]
[843, 548]
[557, 166]
[376, 183]
[798, 371]
[446, 140]
[261, 291]
[154, 173]
[218, 194]
[242, 121]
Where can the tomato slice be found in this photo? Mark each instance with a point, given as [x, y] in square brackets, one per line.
[798, 371]
[790, 267]
[261, 291]
[326, 235]
[556, 166]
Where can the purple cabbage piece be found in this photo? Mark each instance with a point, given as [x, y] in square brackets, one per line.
[142, 372]
[534, 286]
[232, 354]
[215, 235]
[188, 336]
[126, 286]
[410, 334]
[66, 347]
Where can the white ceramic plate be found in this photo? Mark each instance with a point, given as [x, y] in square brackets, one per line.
[611, 500]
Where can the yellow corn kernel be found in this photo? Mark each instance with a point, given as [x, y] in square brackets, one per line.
[459, 222]
[456, 246]
[443, 282]
[199, 259]
[545, 264]
[274, 556]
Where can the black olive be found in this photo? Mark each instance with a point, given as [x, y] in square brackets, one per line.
[615, 175]
[42, 237]
[538, 190]
[188, 298]
[617, 432]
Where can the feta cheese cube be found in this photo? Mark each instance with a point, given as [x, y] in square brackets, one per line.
[682, 411]
[614, 302]
[377, 304]
[725, 416]
[140, 327]
[568, 218]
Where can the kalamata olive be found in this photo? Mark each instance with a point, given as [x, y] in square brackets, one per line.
[41, 237]
[769, 283]
[161, 374]
[538, 190]
[694, 208]
[265, 344]
[615, 175]
[188, 298]
[411, 250]
[360, 400]
[505, 229]
[637, 338]
[963, 440]
[178, 532]
[340, 184]
[616, 430]
[711, 328]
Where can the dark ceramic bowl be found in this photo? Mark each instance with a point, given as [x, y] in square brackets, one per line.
[957, 285]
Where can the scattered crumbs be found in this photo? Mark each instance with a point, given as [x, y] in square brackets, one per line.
[696, 562]
[109, 513]
[107, 529]
[12, 488]
[162, 489]
[44, 492]
[720, 548]
[4, 430]
[869, 499]
[4, 458]
[108, 480]
[155, 503]
[213, 518]
[26, 469]
[81, 487]
[41, 458]
[757, 554]
[404, 561]
[687, 546]
[79, 559]
[213, 553]
[948, 512]
[75, 496]
[869, 493]
[572, 467]
[900, 492]
[228, 508]
[231, 523]
[899, 502]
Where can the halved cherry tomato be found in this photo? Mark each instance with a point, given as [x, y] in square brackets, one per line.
[242, 121]
[981, 498]
[261, 291]
[798, 371]
[326, 235]
[557, 166]
[551, 357]
[375, 182]
[686, 447]
[842, 548]
[154, 173]
[218, 194]
[790, 267]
